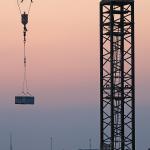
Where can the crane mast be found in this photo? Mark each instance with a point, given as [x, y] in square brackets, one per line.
[117, 75]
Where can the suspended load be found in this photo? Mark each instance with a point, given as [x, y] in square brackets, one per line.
[25, 97]
[24, 100]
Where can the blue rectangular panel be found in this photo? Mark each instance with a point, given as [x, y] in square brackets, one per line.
[29, 100]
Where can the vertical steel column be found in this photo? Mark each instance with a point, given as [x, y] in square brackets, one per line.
[117, 75]
[133, 74]
[122, 75]
[112, 74]
[101, 78]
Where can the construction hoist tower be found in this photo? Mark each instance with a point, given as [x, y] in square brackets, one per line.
[117, 75]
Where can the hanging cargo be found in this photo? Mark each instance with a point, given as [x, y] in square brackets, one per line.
[26, 100]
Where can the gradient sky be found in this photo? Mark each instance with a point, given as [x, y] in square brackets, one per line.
[63, 74]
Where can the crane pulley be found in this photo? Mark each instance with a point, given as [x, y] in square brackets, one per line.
[24, 11]
[26, 98]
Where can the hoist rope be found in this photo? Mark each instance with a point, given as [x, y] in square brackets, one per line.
[25, 89]
[19, 6]
[19, 3]
[24, 15]
[24, 86]
[29, 8]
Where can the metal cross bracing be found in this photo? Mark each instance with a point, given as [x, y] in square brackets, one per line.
[117, 75]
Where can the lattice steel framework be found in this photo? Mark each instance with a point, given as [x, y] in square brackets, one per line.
[117, 75]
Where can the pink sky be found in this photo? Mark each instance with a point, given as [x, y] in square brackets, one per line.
[63, 46]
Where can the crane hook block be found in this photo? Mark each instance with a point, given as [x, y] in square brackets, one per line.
[24, 19]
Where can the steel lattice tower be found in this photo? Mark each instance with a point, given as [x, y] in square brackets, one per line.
[117, 75]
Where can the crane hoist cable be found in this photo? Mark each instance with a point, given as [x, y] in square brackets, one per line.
[20, 2]
[24, 21]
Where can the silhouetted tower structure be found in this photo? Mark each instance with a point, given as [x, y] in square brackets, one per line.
[90, 143]
[11, 146]
[117, 75]
[51, 143]
[90, 146]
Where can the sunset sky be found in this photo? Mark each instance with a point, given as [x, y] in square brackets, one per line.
[63, 74]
